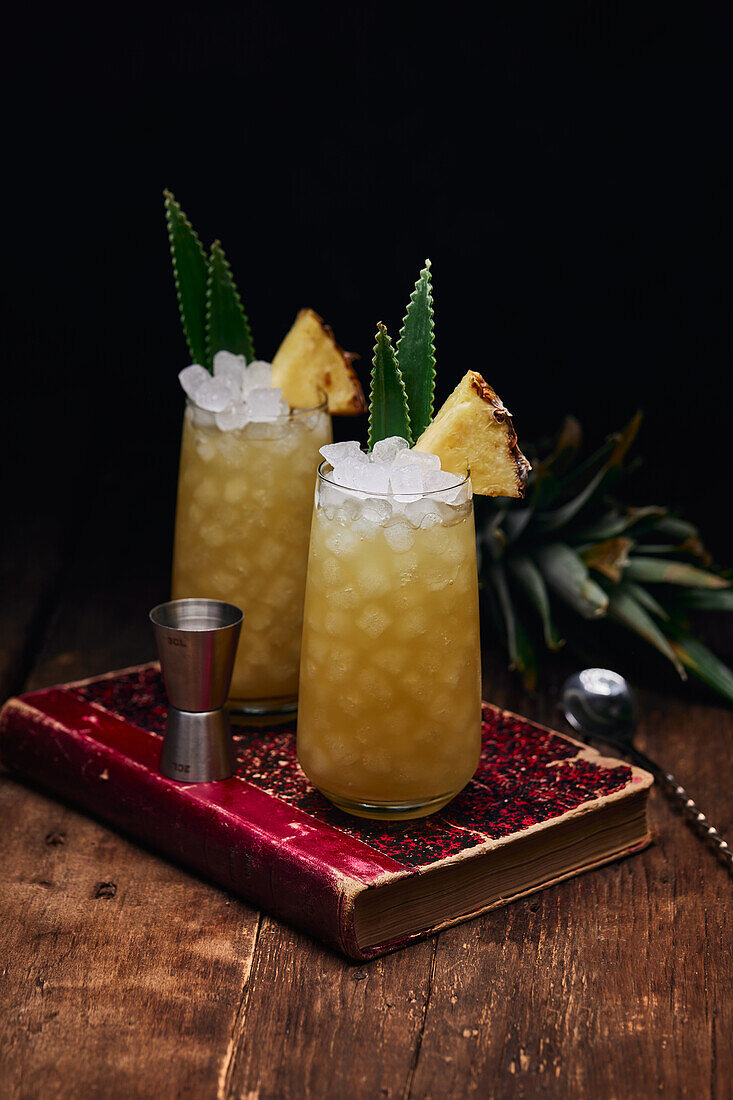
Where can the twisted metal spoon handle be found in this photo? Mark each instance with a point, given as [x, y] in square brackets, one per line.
[687, 806]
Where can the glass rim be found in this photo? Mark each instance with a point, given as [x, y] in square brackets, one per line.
[391, 494]
[297, 411]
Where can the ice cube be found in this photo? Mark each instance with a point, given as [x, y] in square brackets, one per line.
[201, 418]
[258, 376]
[373, 621]
[342, 542]
[328, 495]
[192, 378]
[406, 481]
[386, 450]
[423, 512]
[376, 510]
[337, 452]
[232, 418]
[227, 365]
[314, 420]
[400, 536]
[215, 394]
[438, 480]
[364, 476]
[371, 578]
[266, 404]
[417, 458]
[273, 428]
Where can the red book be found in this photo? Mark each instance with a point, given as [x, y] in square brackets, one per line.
[541, 807]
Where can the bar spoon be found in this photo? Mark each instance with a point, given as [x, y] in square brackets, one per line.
[601, 704]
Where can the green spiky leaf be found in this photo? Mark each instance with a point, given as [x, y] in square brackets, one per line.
[625, 609]
[416, 353]
[675, 528]
[553, 521]
[529, 577]
[190, 271]
[631, 550]
[661, 571]
[705, 599]
[567, 574]
[227, 327]
[703, 664]
[388, 412]
[521, 651]
[645, 598]
[615, 523]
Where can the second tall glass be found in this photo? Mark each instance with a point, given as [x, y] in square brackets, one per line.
[243, 516]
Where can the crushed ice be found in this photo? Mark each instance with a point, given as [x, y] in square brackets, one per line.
[236, 394]
[393, 486]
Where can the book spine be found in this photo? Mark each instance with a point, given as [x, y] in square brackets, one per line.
[134, 798]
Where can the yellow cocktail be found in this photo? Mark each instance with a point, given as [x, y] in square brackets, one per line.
[389, 721]
[245, 497]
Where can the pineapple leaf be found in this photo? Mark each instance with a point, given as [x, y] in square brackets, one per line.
[388, 412]
[553, 521]
[646, 600]
[416, 353]
[567, 574]
[190, 271]
[609, 557]
[615, 523]
[521, 652]
[529, 577]
[702, 663]
[705, 599]
[629, 613]
[517, 521]
[675, 528]
[566, 447]
[657, 548]
[227, 327]
[659, 571]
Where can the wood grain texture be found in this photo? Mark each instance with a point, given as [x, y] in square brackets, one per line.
[123, 976]
[328, 1027]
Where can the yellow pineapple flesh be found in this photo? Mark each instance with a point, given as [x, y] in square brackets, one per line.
[473, 430]
[310, 363]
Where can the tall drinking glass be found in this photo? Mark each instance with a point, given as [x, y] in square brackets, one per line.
[243, 515]
[389, 722]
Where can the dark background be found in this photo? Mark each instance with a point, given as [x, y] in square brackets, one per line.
[562, 166]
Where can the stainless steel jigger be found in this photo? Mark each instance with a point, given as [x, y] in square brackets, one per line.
[197, 642]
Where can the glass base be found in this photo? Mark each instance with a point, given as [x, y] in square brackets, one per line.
[281, 708]
[389, 811]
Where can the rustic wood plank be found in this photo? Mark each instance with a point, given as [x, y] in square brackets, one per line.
[611, 985]
[122, 974]
[315, 1025]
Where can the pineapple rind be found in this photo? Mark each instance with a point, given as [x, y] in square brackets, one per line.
[473, 430]
[310, 362]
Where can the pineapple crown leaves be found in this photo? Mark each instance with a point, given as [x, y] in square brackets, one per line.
[388, 411]
[190, 271]
[211, 309]
[227, 326]
[416, 353]
[571, 549]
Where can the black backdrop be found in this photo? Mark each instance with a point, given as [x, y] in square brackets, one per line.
[561, 165]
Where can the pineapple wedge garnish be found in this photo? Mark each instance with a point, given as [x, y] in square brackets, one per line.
[310, 363]
[473, 430]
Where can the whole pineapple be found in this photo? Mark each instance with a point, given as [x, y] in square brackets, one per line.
[571, 544]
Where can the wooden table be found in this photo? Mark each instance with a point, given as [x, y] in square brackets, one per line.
[121, 975]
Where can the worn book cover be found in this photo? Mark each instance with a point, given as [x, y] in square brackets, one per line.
[540, 807]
